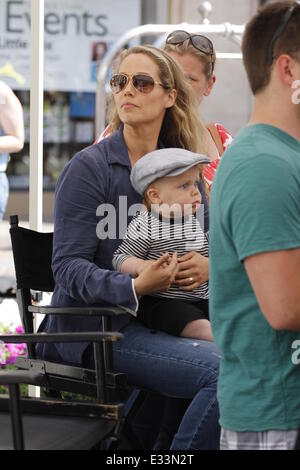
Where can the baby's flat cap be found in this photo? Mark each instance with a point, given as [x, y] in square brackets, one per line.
[163, 162]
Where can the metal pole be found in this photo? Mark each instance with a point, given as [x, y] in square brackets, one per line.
[36, 125]
[36, 115]
[16, 416]
[100, 372]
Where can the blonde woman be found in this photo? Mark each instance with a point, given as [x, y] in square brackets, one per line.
[154, 108]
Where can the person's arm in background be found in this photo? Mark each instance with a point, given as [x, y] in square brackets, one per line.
[11, 121]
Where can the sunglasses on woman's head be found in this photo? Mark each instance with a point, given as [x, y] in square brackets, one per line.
[141, 82]
[201, 43]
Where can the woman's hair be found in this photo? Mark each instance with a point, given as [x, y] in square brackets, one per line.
[208, 61]
[182, 127]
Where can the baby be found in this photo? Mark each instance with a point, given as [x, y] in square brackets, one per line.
[169, 180]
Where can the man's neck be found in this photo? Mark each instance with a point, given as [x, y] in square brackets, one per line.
[139, 141]
[274, 113]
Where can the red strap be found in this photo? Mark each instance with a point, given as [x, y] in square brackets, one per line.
[216, 137]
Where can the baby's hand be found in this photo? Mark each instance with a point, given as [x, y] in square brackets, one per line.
[166, 263]
[154, 279]
[143, 264]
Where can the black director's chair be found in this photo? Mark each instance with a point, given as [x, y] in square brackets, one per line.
[32, 253]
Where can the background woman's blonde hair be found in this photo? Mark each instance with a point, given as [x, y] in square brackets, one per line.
[182, 126]
[208, 61]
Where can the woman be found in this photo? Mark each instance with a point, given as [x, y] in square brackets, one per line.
[196, 55]
[154, 106]
[11, 136]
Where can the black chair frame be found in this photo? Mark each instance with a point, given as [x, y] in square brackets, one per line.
[111, 414]
[34, 274]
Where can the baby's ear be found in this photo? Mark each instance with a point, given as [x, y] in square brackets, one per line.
[153, 196]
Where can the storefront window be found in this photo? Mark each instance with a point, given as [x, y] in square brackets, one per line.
[68, 127]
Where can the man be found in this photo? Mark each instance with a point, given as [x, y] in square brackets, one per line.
[255, 245]
[11, 136]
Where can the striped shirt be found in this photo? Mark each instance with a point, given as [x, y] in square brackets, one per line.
[148, 237]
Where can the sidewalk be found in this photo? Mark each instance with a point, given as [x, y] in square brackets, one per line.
[7, 271]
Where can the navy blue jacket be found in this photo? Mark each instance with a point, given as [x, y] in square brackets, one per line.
[82, 263]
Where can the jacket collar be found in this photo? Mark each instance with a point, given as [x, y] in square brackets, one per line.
[118, 152]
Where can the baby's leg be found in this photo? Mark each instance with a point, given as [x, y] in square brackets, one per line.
[198, 329]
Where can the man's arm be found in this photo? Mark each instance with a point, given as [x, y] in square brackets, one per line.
[11, 120]
[275, 278]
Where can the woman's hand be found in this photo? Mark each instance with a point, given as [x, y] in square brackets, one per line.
[143, 265]
[157, 276]
[193, 270]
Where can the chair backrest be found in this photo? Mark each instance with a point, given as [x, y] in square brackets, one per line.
[32, 252]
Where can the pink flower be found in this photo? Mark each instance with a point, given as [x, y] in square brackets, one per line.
[9, 352]
[19, 330]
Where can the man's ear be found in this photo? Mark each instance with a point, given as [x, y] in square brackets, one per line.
[153, 195]
[286, 69]
[171, 98]
[210, 85]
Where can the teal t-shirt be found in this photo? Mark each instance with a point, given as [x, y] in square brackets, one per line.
[254, 208]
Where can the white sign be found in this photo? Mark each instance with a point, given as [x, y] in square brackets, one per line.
[77, 35]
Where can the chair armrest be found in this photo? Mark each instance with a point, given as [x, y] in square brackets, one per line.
[91, 311]
[94, 337]
[20, 377]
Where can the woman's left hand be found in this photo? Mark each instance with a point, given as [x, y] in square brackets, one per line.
[193, 271]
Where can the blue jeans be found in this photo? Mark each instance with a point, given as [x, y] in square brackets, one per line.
[179, 368]
[3, 193]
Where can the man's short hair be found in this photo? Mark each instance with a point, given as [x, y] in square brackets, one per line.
[258, 36]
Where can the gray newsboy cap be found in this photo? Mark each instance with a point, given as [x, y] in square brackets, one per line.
[163, 162]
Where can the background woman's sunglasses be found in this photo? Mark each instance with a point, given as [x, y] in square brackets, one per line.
[201, 43]
[142, 83]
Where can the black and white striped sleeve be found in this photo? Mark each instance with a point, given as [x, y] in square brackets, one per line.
[135, 243]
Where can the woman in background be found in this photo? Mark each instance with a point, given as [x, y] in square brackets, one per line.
[196, 55]
[11, 136]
